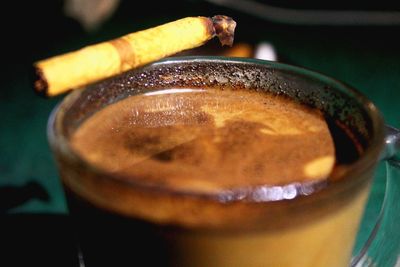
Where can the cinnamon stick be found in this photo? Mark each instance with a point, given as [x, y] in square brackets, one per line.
[59, 74]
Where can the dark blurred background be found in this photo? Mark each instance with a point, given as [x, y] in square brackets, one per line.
[332, 37]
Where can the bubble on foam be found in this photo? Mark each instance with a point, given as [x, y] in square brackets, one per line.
[268, 193]
[289, 191]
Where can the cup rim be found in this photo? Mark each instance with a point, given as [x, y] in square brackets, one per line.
[369, 157]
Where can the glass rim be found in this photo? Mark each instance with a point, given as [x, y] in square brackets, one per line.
[369, 157]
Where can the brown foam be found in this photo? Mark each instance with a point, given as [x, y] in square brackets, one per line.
[208, 140]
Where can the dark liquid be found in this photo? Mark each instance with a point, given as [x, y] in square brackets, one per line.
[108, 239]
[347, 148]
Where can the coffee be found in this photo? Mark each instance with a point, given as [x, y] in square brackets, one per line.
[208, 140]
[216, 162]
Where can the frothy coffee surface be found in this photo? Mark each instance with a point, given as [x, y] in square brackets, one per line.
[208, 140]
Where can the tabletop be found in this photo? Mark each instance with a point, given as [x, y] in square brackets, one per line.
[365, 57]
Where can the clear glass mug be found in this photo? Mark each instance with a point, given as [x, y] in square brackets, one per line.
[120, 222]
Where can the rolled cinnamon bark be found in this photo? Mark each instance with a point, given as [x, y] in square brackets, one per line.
[59, 74]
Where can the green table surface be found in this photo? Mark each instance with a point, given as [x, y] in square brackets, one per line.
[365, 57]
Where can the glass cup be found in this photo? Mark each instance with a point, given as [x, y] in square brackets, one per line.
[126, 223]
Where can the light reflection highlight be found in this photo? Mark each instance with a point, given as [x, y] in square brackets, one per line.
[268, 193]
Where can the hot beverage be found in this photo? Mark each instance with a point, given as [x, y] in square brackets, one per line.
[250, 167]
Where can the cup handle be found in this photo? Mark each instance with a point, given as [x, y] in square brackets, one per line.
[392, 141]
[382, 248]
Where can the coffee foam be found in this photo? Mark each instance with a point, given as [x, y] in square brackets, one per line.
[208, 140]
